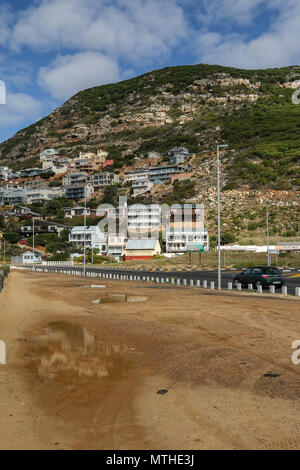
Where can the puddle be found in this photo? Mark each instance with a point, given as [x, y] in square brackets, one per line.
[69, 349]
[121, 298]
[96, 286]
[81, 381]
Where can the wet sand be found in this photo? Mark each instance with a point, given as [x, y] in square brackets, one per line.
[84, 367]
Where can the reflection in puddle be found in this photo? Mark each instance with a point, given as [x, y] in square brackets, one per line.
[96, 286]
[67, 348]
[121, 298]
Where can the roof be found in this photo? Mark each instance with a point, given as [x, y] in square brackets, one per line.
[142, 244]
[36, 253]
[89, 228]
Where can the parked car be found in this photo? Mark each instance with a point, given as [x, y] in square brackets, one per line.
[259, 276]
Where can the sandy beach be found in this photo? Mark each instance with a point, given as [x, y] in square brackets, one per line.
[84, 366]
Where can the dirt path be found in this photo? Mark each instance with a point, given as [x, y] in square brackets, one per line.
[84, 374]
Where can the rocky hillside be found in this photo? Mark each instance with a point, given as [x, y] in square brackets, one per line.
[195, 106]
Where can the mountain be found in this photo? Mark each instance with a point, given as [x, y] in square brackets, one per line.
[194, 106]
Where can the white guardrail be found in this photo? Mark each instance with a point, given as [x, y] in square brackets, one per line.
[105, 274]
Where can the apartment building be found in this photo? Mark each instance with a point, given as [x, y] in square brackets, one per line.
[185, 225]
[136, 175]
[177, 241]
[105, 178]
[141, 218]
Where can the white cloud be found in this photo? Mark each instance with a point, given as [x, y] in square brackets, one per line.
[5, 23]
[72, 73]
[19, 108]
[279, 46]
[241, 12]
[135, 29]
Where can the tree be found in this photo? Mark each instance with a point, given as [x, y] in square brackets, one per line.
[227, 237]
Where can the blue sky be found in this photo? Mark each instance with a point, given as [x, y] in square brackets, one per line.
[51, 49]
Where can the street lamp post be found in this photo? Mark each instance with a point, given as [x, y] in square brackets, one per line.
[219, 216]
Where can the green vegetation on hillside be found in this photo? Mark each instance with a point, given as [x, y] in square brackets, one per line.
[267, 138]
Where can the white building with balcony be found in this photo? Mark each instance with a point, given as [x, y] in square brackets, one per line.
[177, 241]
[116, 246]
[91, 236]
[141, 187]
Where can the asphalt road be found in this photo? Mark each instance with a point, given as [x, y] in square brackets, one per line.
[291, 279]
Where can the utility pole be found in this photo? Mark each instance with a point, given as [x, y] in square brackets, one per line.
[219, 216]
[268, 236]
[84, 242]
[33, 243]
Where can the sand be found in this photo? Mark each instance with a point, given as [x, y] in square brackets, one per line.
[84, 367]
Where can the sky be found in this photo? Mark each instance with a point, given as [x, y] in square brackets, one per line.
[51, 49]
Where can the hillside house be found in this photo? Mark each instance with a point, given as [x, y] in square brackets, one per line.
[105, 178]
[42, 227]
[79, 191]
[178, 155]
[78, 211]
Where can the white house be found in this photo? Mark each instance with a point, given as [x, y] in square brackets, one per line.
[92, 236]
[29, 257]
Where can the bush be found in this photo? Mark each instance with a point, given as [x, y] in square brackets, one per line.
[11, 237]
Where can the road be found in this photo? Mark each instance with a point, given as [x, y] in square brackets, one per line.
[291, 279]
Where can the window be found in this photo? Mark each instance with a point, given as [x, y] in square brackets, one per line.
[247, 272]
[257, 271]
